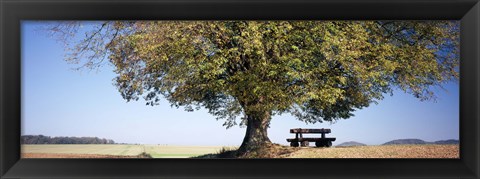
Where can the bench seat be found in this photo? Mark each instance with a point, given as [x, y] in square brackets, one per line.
[311, 139]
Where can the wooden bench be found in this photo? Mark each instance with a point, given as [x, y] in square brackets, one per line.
[304, 141]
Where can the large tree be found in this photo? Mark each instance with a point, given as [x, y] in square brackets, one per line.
[248, 71]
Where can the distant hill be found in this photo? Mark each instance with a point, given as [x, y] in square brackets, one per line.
[351, 143]
[405, 141]
[450, 141]
[419, 141]
[41, 139]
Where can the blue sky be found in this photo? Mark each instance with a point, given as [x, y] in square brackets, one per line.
[59, 101]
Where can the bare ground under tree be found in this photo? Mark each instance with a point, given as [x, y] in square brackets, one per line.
[390, 151]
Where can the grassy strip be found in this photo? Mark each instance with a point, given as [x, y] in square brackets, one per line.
[172, 155]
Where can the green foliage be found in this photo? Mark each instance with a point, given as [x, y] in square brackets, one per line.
[315, 70]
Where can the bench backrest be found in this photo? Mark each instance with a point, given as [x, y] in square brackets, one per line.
[299, 130]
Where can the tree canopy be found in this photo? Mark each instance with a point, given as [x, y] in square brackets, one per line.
[315, 70]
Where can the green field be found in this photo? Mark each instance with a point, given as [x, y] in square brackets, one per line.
[156, 151]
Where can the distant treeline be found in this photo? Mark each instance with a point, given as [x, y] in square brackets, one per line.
[41, 139]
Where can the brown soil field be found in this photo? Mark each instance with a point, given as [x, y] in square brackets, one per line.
[54, 155]
[381, 151]
[373, 152]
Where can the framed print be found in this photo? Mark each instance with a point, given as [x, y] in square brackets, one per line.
[239, 89]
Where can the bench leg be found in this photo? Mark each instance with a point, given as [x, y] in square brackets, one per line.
[294, 144]
[328, 144]
[323, 143]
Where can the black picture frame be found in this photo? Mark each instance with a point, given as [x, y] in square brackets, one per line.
[14, 11]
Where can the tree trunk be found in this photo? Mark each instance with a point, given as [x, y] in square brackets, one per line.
[256, 134]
